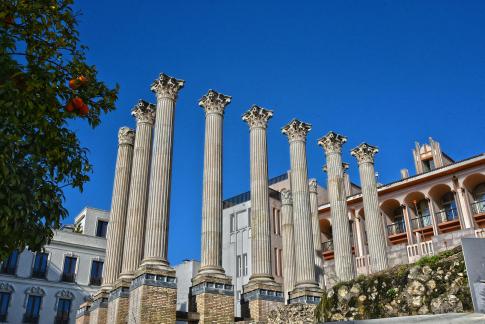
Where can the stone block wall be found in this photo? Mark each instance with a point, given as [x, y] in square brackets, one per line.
[98, 315]
[258, 309]
[153, 304]
[213, 308]
[118, 310]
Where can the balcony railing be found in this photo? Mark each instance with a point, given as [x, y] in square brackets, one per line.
[68, 277]
[478, 207]
[447, 215]
[62, 319]
[95, 281]
[396, 228]
[28, 318]
[327, 246]
[421, 221]
[39, 274]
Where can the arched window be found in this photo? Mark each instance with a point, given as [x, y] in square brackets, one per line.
[479, 192]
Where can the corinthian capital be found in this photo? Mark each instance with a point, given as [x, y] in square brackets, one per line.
[313, 185]
[166, 86]
[364, 153]
[126, 135]
[257, 116]
[332, 142]
[214, 102]
[286, 198]
[144, 112]
[296, 130]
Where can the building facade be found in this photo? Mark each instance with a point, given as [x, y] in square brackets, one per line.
[422, 214]
[236, 235]
[48, 287]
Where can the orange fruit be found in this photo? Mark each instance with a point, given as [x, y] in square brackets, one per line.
[84, 110]
[69, 107]
[77, 102]
[74, 84]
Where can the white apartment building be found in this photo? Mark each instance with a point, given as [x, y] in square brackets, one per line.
[48, 287]
[236, 235]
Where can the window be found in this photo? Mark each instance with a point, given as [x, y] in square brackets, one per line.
[96, 273]
[238, 266]
[238, 295]
[245, 264]
[275, 253]
[4, 301]
[280, 252]
[9, 266]
[232, 222]
[63, 309]
[101, 228]
[249, 217]
[274, 220]
[428, 165]
[69, 270]
[278, 222]
[40, 265]
[33, 308]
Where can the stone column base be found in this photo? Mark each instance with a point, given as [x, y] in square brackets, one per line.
[98, 312]
[118, 302]
[153, 297]
[213, 298]
[258, 299]
[305, 296]
[82, 314]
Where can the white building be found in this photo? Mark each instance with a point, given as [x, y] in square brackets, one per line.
[236, 235]
[48, 287]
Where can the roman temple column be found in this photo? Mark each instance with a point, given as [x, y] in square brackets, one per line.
[144, 114]
[257, 302]
[317, 243]
[116, 227]
[153, 292]
[364, 153]
[344, 264]
[119, 207]
[306, 288]
[287, 237]
[213, 305]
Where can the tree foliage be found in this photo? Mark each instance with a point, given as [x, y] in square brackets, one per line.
[39, 155]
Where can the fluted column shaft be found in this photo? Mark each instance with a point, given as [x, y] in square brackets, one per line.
[211, 254]
[288, 242]
[304, 255]
[137, 202]
[156, 234]
[375, 227]
[119, 207]
[317, 244]
[344, 266]
[257, 119]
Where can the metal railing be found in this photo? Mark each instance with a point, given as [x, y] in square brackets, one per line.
[68, 277]
[29, 318]
[39, 274]
[478, 207]
[62, 318]
[447, 215]
[327, 246]
[421, 221]
[396, 228]
[95, 281]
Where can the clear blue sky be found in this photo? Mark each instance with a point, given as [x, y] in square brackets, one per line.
[384, 72]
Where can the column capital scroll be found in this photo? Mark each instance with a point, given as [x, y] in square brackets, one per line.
[166, 86]
[214, 102]
[286, 197]
[257, 116]
[144, 112]
[313, 185]
[126, 135]
[296, 130]
[364, 153]
[332, 142]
